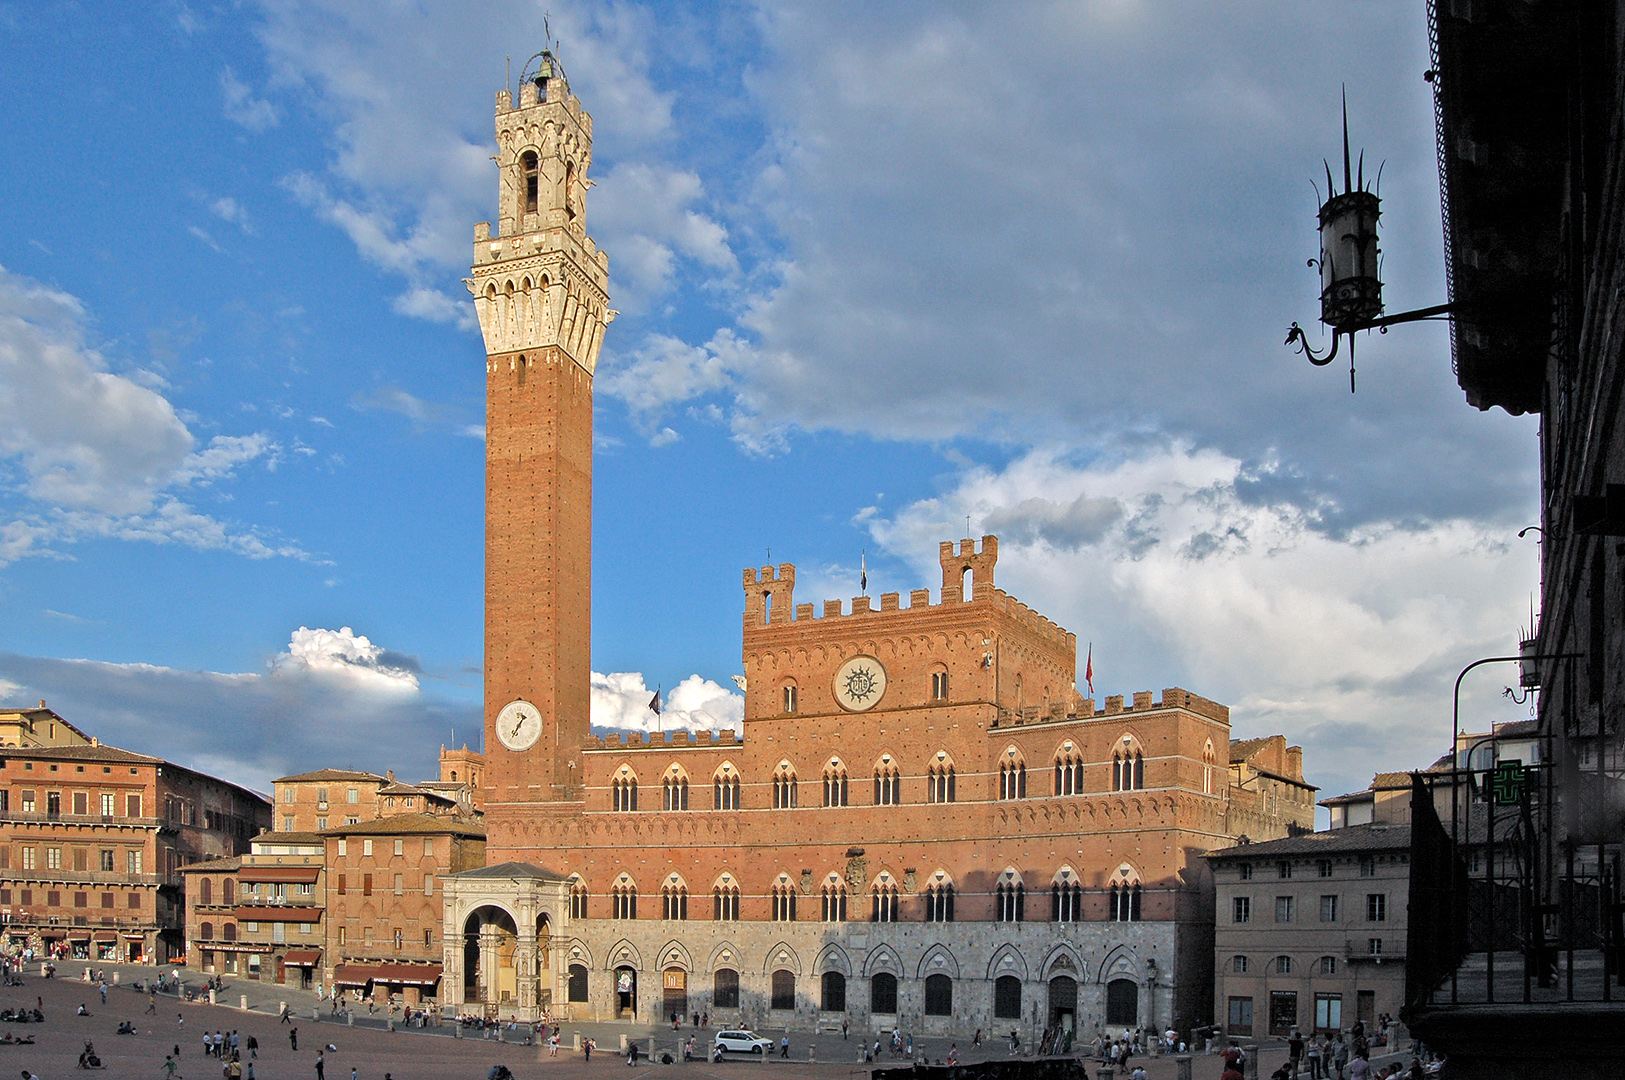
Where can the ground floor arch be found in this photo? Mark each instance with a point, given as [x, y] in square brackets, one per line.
[502, 925]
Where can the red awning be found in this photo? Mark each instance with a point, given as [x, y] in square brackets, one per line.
[279, 914]
[304, 875]
[302, 957]
[404, 974]
[79, 935]
[51, 933]
[106, 935]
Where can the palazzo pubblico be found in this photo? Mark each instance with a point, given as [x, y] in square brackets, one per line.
[922, 824]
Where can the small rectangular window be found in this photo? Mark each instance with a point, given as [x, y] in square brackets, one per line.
[428, 845]
[1242, 909]
[1245, 872]
[1328, 909]
[789, 699]
[400, 847]
[366, 884]
[366, 847]
[1376, 907]
[344, 846]
[428, 884]
[1283, 909]
[1283, 870]
[1325, 867]
[398, 883]
[1368, 866]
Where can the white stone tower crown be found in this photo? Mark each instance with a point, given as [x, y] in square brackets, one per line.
[541, 280]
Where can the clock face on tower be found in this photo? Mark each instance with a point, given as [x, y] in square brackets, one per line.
[860, 683]
[519, 725]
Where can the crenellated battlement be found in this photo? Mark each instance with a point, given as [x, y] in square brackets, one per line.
[633, 740]
[770, 596]
[1141, 702]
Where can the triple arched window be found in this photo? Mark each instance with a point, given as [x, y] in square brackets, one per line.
[725, 789]
[578, 899]
[888, 785]
[784, 902]
[624, 793]
[1010, 902]
[834, 902]
[939, 903]
[835, 786]
[674, 902]
[784, 786]
[883, 906]
[1066, 901]
[1012, 779]
[623, 902]
[1126, 903]
[1128, 771]
[1068, 773]
[675, 792]
[725, 903]
[939, 783]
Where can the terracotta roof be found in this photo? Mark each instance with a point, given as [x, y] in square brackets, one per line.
[1516, 729]
[99, 752]
[330, 774]
[234, 863]
[511, 870]
[269, 837]
[1242, 749]
[410, 824]
[1378, 836]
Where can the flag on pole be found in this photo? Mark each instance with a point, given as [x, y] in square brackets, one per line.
[1088, 669]
[654, 702]
[863, 575]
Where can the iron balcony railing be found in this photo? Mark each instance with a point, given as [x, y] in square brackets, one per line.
[1515, 884]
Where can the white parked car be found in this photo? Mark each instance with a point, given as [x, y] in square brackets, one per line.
[741, 1042]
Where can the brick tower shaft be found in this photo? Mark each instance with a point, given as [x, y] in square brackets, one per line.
[540, 291]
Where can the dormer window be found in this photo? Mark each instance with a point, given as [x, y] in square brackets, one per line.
[529, 174]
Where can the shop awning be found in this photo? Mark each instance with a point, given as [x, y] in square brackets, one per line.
[135, 935]
[302, 957]
[402, 974]
[106, 935]
[279, 914]
[303, 875]
[53, 933]
[78, 935]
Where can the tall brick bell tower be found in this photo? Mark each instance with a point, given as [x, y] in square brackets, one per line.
[540, 290]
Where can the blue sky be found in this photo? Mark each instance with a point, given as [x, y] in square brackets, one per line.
[879, 268]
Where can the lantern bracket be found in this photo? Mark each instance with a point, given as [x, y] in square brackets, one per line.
[1295, 333]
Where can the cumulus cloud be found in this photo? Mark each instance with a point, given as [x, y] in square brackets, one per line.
[100, 453]
[1348, 643]
[620, 700]
[343, 655]
[331, 698]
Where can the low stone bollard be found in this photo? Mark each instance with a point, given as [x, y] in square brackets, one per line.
[1182, 1067]
[623, 1044]
[242, 1002]
[1105, 1072]
[457, 1030]
[349, 1018]
[211, 996]
[115, 978]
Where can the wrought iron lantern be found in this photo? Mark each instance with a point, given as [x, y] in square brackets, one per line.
[1350, 262]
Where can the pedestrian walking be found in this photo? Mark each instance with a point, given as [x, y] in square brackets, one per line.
[293, 1038]
[321, 1066]
[169, 1068]
[253, 1047]
[784, 1047]
[843, 1029]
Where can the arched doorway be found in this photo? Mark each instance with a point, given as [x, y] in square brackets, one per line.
[674, 993]
[626, 992]
[1123, 1002]
[1063, 1003]
[489, 940]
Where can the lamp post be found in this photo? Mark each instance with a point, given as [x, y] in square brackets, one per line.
[1350, 262]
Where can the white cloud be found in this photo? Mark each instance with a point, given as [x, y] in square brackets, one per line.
[646, 214]
[345, 656]
[663, 372]
[230, 210]
[332, 698]
[241, 106]
[621, 699]
[99, 453]
[1346, 642]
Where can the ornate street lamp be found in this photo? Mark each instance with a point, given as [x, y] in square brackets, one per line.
[1350, 262]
